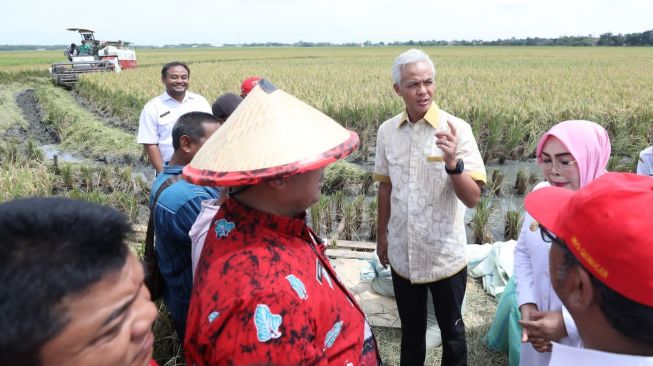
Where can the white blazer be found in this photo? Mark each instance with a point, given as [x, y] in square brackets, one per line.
[534, 286]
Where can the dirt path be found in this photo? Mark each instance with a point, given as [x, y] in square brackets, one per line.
[43, 133]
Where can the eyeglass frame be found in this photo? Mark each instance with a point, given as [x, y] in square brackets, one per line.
[563, 166]
[549, 237]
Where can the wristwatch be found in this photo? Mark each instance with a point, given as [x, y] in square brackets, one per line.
[460, 166]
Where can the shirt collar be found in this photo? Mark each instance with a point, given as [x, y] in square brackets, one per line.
[291, 226]
[432, 116]
[167, 96]
[172, 169]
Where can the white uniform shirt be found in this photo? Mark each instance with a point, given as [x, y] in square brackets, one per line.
[426, 232]
[534, 286]
[159, 116]
[645, 163]
[571, 356]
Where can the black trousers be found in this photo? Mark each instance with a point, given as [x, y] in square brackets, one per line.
[412, 302]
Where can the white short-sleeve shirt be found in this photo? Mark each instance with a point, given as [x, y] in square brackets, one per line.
[426, 232]
[159, 116]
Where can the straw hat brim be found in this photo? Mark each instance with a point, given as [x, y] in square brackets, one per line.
[250, 177]
[271, 134]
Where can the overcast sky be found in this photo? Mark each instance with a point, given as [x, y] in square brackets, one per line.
[149, 22]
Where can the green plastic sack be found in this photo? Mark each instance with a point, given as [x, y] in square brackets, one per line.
[505, 333]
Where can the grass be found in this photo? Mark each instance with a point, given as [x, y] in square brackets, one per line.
[11, 115]
[512, 224]
[494, 185]
[345, 176]
[481, 232]
[521, 182]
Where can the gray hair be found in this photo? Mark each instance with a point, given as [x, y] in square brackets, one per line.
[411, 56]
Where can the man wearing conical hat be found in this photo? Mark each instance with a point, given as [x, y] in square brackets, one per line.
[264, 292]
[430, 170]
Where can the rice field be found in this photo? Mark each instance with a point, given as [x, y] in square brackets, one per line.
[508, 95]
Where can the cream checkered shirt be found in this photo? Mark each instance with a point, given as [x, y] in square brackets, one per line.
[426, 232]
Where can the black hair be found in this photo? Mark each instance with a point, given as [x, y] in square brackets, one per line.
[632, 319]
[165, 68]
[52, 248]
[191, 124]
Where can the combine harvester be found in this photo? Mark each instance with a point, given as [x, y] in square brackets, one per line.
[92, 56]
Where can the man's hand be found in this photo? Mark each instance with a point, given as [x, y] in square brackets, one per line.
[448, 143]
[382, 251]
[547, 325]
[154, 156]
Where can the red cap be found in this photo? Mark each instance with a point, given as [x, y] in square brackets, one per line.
[248, 85]
[607, 226]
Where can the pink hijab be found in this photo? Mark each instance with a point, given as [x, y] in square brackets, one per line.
[587, 142]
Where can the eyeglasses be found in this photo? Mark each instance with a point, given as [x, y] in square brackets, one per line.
[549, 237]
[561, 165]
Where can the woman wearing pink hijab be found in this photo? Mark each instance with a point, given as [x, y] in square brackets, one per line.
[571, 154]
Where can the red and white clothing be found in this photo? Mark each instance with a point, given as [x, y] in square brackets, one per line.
[265, 293]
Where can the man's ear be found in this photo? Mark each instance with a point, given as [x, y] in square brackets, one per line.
[185, 143]
[396, 88]
[579, 291]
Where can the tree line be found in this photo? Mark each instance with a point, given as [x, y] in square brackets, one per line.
[605, 39]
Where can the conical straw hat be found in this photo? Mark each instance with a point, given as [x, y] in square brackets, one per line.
[270, 135]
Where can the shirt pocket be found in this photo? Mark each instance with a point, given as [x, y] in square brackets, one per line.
[432, 153]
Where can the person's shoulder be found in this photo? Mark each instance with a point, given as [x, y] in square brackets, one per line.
[647, 151]
[158, 181]
[159, 99]
[195, 96]
[181, 192]
[391, 122]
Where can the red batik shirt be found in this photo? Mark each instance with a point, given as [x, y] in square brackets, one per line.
[265, 294]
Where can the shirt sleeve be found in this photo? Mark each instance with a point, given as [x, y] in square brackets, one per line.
[381, 173]
[523, 270]
[468, 151]
[148, 133]
[267, 327]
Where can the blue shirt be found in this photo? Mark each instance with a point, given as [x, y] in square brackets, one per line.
[168, 171]
[174, 214]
